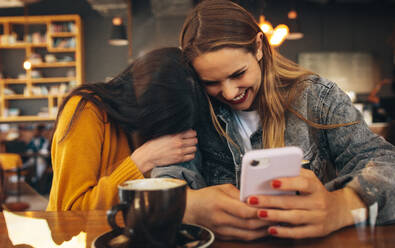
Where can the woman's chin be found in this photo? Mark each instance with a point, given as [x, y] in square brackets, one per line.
[240, 107]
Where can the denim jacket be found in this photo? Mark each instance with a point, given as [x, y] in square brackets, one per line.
[350, 155]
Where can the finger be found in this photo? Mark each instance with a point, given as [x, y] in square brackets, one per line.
[238, 209]
[283, 201]
[189, 150]
[190, 141]
[232, 204]
[299, 232]
[225, 219]
[188, 157]
[188, 134]
[295, 217]
[231, 233]
[299, 183]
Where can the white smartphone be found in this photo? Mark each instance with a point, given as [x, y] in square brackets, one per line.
[260, 167]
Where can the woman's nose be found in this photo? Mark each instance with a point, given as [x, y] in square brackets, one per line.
[229, 90]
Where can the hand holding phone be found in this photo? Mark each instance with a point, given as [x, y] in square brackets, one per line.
[260, 167]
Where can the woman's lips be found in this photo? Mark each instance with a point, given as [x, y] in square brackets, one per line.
[240, 98]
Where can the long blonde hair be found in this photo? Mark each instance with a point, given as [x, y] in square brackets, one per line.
[216, 24]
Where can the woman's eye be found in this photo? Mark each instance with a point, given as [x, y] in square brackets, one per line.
[237, 75]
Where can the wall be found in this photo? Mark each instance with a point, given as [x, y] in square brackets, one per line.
[342, 28]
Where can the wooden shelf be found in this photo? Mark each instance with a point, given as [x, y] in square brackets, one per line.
[13, 46]
[26, 118]
[38, 19]
[18, 97]
[62, 34]
[38, 80]
[22, 45]
[54, 64]
[13, 81]
[53, 80]
[38, 44]
[72, 26]
[61, 50]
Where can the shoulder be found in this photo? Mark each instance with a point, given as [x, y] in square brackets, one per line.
[317, 87]
[89, 116]
[321, 91]
[320, 98]
[89, 109]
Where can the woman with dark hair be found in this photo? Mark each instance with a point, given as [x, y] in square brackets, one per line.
[259, 99]
[92, 149]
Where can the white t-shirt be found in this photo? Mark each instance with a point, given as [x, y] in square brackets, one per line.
[248, 122]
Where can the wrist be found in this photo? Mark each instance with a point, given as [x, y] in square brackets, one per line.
[189, 213]
[351, 207]
[141, 160]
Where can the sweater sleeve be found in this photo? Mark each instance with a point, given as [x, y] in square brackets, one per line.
[77, 163]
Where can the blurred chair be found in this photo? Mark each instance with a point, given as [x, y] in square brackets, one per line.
[15, 146]
[11, 164]
[19, 147]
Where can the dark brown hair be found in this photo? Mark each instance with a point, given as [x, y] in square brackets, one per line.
[152, 96]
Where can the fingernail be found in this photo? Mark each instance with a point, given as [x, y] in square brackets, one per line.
[276, 184]
[273, 231]
[262, 213]
[253, 200]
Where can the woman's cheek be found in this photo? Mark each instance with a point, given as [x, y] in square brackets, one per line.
[212, 91]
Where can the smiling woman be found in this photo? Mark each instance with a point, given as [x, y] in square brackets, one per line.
[250, 86]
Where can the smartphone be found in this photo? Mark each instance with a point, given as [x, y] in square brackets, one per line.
[260, 167]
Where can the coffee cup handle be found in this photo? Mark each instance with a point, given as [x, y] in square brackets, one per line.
[113, 212]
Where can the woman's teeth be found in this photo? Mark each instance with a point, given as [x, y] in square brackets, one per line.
[239, 96]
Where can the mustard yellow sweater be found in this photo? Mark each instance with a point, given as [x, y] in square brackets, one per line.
[90, 162]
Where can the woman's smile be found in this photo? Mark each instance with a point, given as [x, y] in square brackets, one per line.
[240, 98]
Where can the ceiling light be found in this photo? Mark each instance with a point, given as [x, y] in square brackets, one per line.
[279, 35]
[118, 34]
[295, 32]
[265, 25]
[275, 36]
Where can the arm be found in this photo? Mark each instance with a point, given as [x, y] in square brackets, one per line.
[365, 162]
[78, 165]
[364, 167]
[187, 171]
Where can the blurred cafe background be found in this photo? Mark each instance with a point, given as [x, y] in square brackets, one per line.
[47, 47]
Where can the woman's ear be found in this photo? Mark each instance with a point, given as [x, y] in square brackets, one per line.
[258, 40]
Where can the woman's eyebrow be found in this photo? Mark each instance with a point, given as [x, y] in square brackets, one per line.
[236, 73]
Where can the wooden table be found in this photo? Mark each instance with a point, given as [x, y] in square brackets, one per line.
[65, 225]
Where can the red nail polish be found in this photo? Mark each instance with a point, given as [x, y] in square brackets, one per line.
[253, 200]
[262, 213]
[276, 184]
[272, 231]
